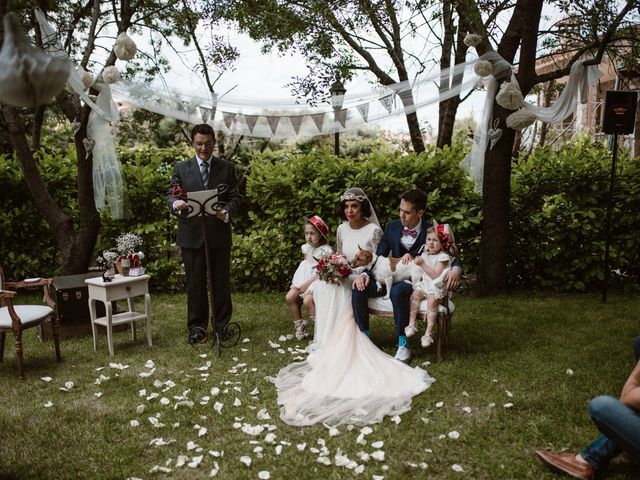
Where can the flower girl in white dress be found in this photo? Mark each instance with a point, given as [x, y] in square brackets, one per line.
[316, 232]
[346, 378]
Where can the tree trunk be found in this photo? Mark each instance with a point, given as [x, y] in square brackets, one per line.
[76, 247]
[445, 133]
[495, 210]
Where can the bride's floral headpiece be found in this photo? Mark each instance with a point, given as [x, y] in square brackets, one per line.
[360, 197]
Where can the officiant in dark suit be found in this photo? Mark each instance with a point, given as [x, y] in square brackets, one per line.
[403, 238]
[204, 172]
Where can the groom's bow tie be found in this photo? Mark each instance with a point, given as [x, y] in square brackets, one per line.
[407, 231]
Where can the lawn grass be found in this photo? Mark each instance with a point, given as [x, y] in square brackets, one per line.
[510, 349]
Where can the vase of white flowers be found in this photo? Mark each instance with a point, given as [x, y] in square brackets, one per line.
[126, 245]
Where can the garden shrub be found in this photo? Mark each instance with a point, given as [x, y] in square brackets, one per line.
[559, 201]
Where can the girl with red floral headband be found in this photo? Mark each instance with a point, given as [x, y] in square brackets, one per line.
[301, 290]
[436, 264]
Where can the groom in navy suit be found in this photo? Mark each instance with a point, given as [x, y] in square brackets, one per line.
[403, 238]
[204, 171]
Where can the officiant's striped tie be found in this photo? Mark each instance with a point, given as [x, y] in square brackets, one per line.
[204, 171]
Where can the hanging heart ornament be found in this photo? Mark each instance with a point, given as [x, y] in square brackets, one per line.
[88, 143]
[494, 134]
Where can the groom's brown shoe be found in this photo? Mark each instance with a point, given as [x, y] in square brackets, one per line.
[567, 463]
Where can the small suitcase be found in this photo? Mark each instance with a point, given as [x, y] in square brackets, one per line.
[71, 296]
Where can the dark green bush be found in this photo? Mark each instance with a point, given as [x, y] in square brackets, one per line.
[559, 201]
[284, 187]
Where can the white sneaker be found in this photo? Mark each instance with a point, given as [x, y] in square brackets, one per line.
[426, 340]
[403, 354]
[410, 330]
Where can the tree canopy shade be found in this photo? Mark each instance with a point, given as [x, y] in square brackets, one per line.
[87, 31]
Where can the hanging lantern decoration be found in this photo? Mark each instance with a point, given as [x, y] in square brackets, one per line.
[86, 77]
[510, 96]
[483, 68]
[28, 76]
[520, 119]
[472, 39]
[111, 74]
[125, 48]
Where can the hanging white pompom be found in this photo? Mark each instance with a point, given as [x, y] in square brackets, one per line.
[125, 48]
[483, 68]
[86, 77]
[111, 74]
[510, 96]
[472, 39]
[520, 119]
[28, 76]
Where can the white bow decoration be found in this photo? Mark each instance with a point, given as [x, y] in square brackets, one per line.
[125, 48]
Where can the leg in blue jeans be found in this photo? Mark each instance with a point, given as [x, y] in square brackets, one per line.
[620, 426]
[400, 299]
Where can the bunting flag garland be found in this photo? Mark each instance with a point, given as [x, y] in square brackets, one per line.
[387, 102]
[318, 119]
[229, 118]
[363, 108]
[341, 117]
[296, 121]
[205, 113]
[251, 121]
[273, 120]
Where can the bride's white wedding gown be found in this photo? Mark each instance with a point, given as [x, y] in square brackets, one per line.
[347, 380]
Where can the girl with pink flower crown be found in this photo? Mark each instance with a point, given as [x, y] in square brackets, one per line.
[301, 290]
[436, 264]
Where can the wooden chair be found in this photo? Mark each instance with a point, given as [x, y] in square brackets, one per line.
[383, 308]
[16, 318]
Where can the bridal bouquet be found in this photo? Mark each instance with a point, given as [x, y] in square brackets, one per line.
[333, 268]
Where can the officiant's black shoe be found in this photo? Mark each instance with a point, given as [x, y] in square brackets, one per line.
[197, 335]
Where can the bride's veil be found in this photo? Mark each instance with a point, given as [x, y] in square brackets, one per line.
[358, 194]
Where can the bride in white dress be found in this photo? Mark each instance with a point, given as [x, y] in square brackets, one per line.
[346, 378]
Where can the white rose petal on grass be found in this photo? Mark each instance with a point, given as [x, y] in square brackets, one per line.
[457, 468]
[215, 391]
[278, 449]
[218, 407]
[378, 455]
[46, 379]
[378, 444]
[134, 423]
[252, 429]
[195, 461]
[246, 460]
[439, 404]
[301, 446]
[377, 477]
[360, 439]
[202, 431]
[159, 469]
[255, 391]
[466, 409]
[508, 405]
[140, 409]
[68, 385]
[364, 456]
[165, 401]
[48, 404]
[98, 394]
[569, 372]
[396, 419]
[324, 460]
[191, 445]
[366, 430]
[453, 435]
[264, 475]
[149, 364]
[181, 461]
[509, 394]
[358, 470]
[270, 437]
[263, 415]
[237, 402]
[214, 471]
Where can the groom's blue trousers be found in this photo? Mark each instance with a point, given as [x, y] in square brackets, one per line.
[400, 299]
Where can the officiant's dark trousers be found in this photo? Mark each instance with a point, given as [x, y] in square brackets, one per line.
[195, 266]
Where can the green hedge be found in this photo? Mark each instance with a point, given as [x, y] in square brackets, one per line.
[557, 223]
[559, 202]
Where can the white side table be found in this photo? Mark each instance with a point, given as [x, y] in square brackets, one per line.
[118, 289]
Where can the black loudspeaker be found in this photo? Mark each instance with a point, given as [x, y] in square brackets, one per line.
[619, 113]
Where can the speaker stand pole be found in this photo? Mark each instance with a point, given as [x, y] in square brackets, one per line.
[612, 183]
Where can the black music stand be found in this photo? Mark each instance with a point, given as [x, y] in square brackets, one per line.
[207, 204]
